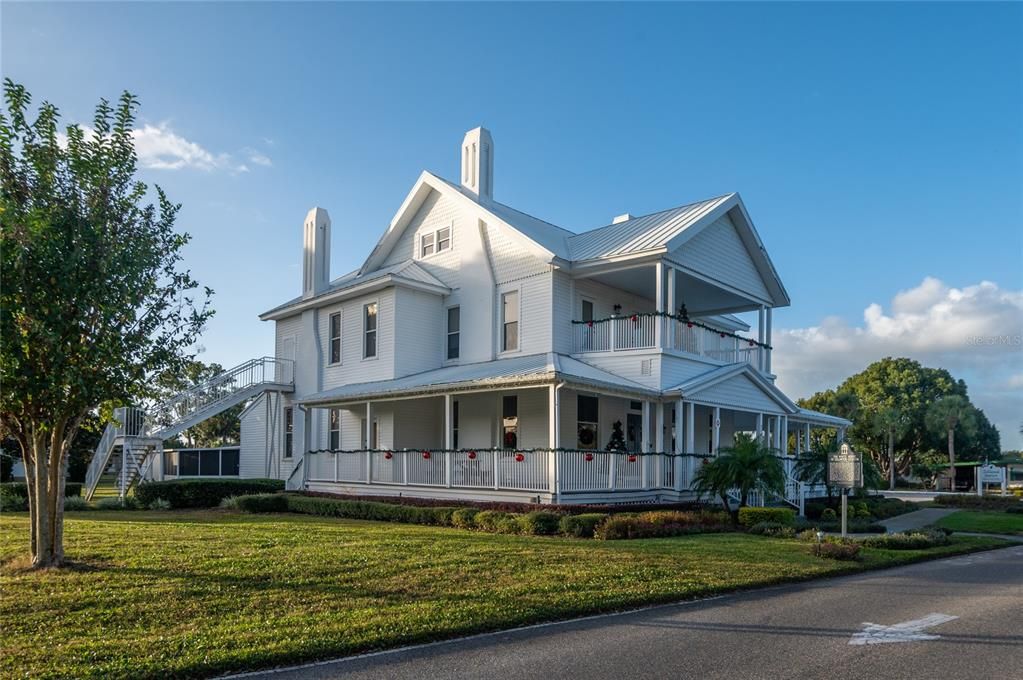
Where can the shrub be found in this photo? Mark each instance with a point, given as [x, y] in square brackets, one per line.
[540, 523]
[159, 504]
[837, 551]
[909, 540]
[660, 523]
[114, 503]
[12, 502]
[488, 520]
[381, 512]
[75, 503]
[775, 529]
[262, 502]
[443, 516]
[859, 509]
[750, 516]
[229, 503]
[21, 489]
[463, 518]
[203, 493]
[978, 502]
[829, 515]
[512, 524]
[1018, 511]
[580, 526]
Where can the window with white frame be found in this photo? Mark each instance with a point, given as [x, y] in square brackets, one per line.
[454, 332]
[369, 316]
[335, 338]
[436, 241]
[334, 433]
[510, 421]
[587, 418]
[510, 321]
[374, 441]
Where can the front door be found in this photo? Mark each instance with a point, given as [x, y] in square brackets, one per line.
[634, 431]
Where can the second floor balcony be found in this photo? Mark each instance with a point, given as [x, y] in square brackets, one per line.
[652, 331]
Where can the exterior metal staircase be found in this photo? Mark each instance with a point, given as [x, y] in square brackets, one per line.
[129, 443]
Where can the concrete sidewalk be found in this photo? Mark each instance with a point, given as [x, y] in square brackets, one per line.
[915, 520]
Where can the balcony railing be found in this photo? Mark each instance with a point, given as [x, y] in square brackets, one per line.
[640, 331]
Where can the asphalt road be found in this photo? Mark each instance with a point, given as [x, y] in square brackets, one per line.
[797, 631]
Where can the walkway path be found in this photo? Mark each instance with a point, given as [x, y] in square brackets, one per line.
[915, 520]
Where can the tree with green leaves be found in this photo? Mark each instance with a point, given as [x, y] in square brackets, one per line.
[946, 415]
[94, 301]
[891, 422]
[747, 466]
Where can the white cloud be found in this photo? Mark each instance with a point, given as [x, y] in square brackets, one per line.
[975, 332]
[160, 148]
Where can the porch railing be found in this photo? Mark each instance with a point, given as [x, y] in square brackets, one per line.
[640, 332]
[571, 471]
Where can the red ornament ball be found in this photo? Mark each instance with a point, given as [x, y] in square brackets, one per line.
[722, 335]
[472, 455]
[632, 459]
[689, 325]
[388, 455]
[634, 318]
[588, 457]
[426, 455]
[589, 324]
[519, 458]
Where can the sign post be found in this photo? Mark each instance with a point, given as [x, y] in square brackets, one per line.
[845, 470]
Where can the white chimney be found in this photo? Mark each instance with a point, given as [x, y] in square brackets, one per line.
[316, 253]
[478, 163]
[625, 217]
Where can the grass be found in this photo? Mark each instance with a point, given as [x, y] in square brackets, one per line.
[196, 593]
[983, 522]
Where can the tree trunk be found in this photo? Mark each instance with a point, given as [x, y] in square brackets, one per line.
[891, 460]
[951, 459]
[46, 498]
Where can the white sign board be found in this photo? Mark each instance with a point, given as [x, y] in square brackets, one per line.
[991, 474]
[845, 468]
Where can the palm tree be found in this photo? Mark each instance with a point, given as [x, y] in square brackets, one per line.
[892, 423]
[747, 466]
[943, 417]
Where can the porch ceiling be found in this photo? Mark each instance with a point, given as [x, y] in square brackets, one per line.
[699, 296]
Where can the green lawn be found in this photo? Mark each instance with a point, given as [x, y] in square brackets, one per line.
[984, 522]
[186, 594]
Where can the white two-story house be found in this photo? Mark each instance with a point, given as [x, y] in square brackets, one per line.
[480, 352]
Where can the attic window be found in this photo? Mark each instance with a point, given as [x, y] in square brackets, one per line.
[426, 245]
[443, 239]
[434, 242]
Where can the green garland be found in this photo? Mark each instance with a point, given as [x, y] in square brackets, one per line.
[595, 452]
[678, 317]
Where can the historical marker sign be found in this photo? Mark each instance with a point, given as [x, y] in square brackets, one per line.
[845, 468]
[991, 474]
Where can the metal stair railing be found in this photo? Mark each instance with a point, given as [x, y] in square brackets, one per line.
[127, 422]
[168, 416]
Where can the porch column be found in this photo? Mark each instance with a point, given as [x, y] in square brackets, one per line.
[767, 351]
[553, 441]
[369, 442]
[776, 433]
[760, 428]
[799, 442]
[716, 431]
[690, 427]
[679, 447]
[670, 323]
[761, 335]
[658, 442]
[659, 282]
[784, 430]
[807, 434]
[647, 444]
[841, 435]
[449, 435]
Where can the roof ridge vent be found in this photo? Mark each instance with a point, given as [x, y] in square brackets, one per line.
[624, 217]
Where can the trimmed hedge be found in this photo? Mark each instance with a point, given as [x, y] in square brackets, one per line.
[262, 502]
[775, 529]
[908, 540]
[750, 516]
[581, 526]
[661, 524]
[1007, 503]
[21, 489]
[380, 512]
[837, 551]
[203, 493]
[490, 520]
[540, 523]
[878, 507]
[464, 518]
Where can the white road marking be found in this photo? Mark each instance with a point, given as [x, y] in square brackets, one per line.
[907, 631]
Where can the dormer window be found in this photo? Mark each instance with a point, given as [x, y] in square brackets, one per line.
[434, 242]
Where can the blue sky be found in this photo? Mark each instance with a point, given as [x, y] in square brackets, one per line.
[878, 147]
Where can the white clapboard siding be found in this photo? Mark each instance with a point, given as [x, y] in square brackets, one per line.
[420, 331]
[353, 367]
[738, 392]
[287, 332]
[719, 253]
[563, 310]
[510, 261]
[435, 213]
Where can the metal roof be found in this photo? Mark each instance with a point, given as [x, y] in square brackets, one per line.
[640, 234]
[532, 368]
